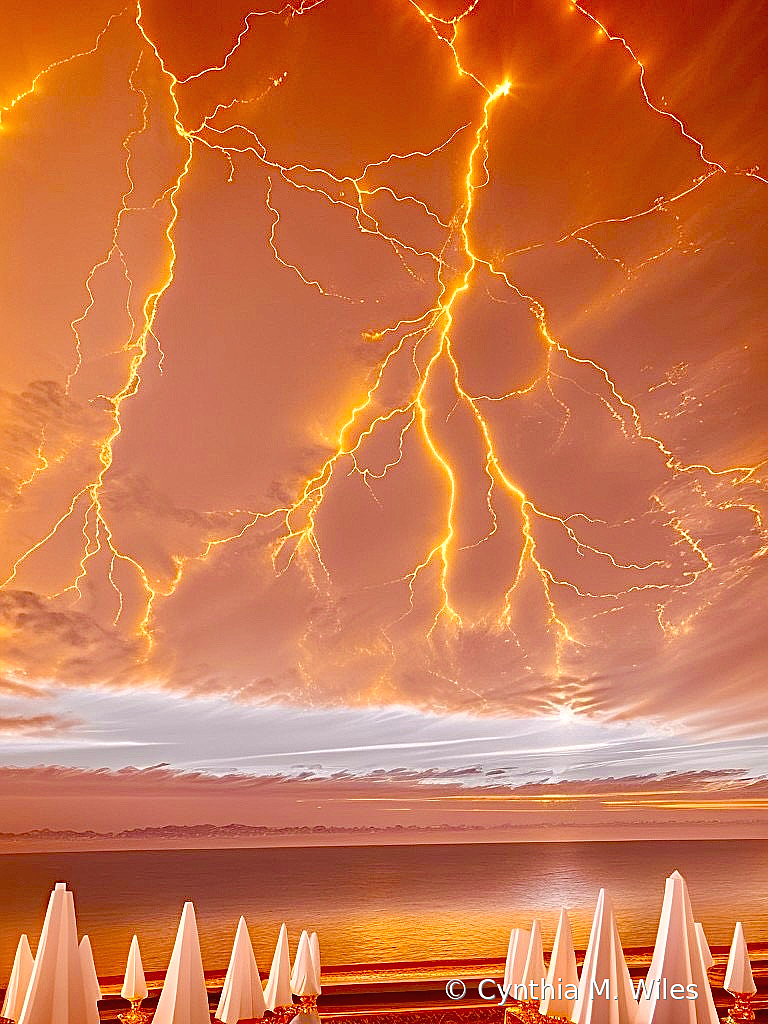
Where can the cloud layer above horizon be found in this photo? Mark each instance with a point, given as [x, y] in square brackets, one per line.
[171, 760]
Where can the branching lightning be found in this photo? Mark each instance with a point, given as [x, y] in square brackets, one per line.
[423, 343]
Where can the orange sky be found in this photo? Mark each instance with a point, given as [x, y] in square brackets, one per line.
[392, 357]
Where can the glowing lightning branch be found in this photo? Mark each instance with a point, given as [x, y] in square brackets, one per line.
[713, 164]
[423, 343]
[31, 88]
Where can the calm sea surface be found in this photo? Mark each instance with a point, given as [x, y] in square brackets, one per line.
[378, 903]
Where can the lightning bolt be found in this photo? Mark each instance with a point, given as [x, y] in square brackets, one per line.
[62, 62]
[423, 343]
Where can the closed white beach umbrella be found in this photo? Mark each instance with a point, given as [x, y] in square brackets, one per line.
[90, 981]
[134, 984]
[738, 973]
[563, 975]
[303, 977]
[278, 988]
[184, 999]
[242, 997]
[706, 953]
[534, 971]
[18, 983]
[56, 994]
[314, 945]
[605, 988]
[677, 961]
[517, 954]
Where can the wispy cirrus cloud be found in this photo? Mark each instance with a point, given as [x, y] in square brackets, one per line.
[36, 725]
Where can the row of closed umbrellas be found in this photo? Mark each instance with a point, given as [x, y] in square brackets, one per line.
[60, 985]
[676, 989]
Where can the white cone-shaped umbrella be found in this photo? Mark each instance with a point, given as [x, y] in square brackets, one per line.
[534, 971]
[90, 981]
[605, 988]
[134, 985]
[517, 954]
[563, 975]
[738, 973]
[21, 972]
[56, 994]
[303, 977]
[706, 953]
[278, 988]
[184, 999]
[242, 997]
[314, 945]
[676, 961]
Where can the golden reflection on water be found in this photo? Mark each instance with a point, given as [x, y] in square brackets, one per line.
[379, 904]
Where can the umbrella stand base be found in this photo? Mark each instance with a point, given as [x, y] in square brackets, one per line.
[528, 1013]
[283, 1014]
[135, 1015]
[741, 1012]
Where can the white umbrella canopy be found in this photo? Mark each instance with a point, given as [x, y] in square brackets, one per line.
[242, 997]
[605, 988]
[134, 984]
[534, 971]
[18, 983]
[303, 977]
[278, 989]
[56, 994]
[314, 945]
[184, 999]
[738, 973]
[676, 961]
[706, 953]
[517, 954]
[563, 975]
[90, 981]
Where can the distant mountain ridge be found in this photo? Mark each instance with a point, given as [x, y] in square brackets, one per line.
[233, 830]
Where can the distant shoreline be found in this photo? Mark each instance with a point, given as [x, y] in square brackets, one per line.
[151, 841]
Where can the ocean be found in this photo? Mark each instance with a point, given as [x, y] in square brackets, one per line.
[380, 903]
